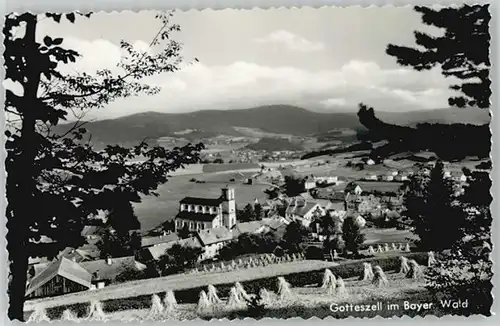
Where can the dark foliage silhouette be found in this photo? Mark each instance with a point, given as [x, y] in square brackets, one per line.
[461, 52]
[59, 174]
[448, 141]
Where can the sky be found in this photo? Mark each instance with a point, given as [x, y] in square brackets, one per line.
[327, 59]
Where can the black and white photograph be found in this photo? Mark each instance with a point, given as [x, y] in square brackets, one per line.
[259, 163]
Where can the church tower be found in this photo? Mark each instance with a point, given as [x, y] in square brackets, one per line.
[228, 207]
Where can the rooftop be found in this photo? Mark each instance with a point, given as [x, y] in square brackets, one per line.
[201, 201]
[110, 271]
[159, 250]
[215, 235]
[155, 240]
[65, 268]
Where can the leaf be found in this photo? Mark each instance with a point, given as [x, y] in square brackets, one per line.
[47, 40]
[71, 17]
[57, 41]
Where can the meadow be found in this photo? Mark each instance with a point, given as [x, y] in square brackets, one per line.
[390, 235]
[303, 296]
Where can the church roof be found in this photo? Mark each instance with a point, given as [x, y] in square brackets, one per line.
[202, 201]
[202, 217]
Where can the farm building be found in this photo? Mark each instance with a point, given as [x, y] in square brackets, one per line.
[212, 240]
[207, 213]
[60, 277]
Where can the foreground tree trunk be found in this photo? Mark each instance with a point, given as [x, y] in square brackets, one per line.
[21, 184]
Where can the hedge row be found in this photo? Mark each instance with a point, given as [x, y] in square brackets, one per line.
[347, 270]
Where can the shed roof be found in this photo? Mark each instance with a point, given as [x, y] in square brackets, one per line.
[63, 267]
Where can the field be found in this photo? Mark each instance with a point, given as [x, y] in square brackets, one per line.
[304, 298]
[179, 282]
[153, 211]
[227, 167]
[382, 236]
[312, 301]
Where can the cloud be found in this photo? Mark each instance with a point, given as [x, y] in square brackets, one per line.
[246, 84]
[291, 41]
[334, 102]
[243, 84]
[98, 54]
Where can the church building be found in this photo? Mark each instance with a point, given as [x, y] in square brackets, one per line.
[207, 213]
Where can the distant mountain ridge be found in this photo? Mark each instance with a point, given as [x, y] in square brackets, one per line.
[279, 119]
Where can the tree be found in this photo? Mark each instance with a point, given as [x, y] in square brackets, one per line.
[335, 243]
[114, 244]
[327, 225]
[247, 214]
[59, 173]
[352, 236]
[430, 209]
[184, 232]
[462, 51]
[293, 185]
[179, 258]
[295, 235]
[465, 272]
[258, 212]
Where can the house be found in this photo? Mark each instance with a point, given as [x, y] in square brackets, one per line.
[303, 211]
[212, 240]
[370, 162]
[105, 271]
[360, 221]
[373, 177]
[207, 213]
[458, 176]
[60, 277]
[401, 177]
[357, 190]
[389, 177]
[155, 240]
[153, 253]
[447, 174]
[309, 183]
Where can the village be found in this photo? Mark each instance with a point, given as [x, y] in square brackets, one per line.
[222, 235]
